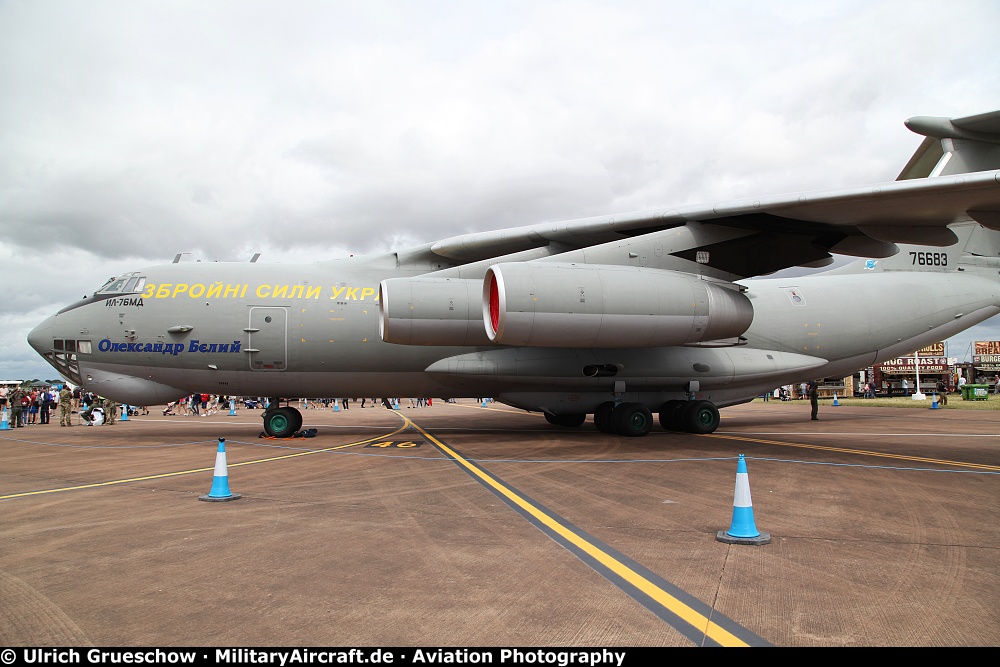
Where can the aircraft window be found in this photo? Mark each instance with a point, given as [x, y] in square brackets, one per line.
[83, 347]
[67, 364]
[71, 346]
[126, 284]
[57, 345]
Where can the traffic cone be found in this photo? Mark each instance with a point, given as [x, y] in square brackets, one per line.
[232, 408]
[835, 401]
[336, 405]
[484, 402]
[4, 420]
[124, 412]
[742, 529]
[220, 483]
[934, 403]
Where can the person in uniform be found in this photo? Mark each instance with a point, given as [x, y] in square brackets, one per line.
[65, 406]
[110, 412]
[14, 400]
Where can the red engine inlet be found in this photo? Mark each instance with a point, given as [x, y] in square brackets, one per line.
[585, 305]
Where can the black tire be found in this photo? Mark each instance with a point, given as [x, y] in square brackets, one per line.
[282, 422]
[632, 420]
[568, 420]
[296, 419]
[602, 417]
[671, 415]
[701, 417]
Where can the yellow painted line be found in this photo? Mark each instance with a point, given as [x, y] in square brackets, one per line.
[859, 452]
[675, 606]
[197, 470]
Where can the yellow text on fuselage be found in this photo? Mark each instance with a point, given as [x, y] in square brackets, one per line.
[221, 290]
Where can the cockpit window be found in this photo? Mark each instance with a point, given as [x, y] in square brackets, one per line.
[129, 283]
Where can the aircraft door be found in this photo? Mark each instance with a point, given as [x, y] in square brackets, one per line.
[267, 337]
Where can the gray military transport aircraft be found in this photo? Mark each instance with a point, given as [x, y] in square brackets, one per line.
[617, 316]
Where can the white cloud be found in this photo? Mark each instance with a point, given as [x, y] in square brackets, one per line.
[312, 129]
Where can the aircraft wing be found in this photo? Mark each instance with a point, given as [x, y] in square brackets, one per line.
[797, 228]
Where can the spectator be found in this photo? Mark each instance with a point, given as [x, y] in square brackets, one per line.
[813, 393]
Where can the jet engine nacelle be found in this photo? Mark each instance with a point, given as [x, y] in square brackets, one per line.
[586, 305]
[431, 311]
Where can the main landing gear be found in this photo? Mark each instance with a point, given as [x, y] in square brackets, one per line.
[690, 416]
[635, 419]
[281, 422]
[632, 420]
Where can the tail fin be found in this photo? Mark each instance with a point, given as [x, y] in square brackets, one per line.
[954, 145]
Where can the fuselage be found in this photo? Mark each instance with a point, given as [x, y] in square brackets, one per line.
[313, 331]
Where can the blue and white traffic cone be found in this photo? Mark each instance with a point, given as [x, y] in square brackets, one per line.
[742, 529]
[336, 405]
[232, 408]
[485, 401]
[835, 401]
[124, 412]
[4, 420]
[934, 403]
[220, 482]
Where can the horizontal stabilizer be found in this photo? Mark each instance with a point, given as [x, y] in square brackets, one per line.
[954, 145]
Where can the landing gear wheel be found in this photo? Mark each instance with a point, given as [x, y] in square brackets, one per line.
[632, 420]
[671, 415]
[701, 417]
[565, 419]
[282, 422]
[602, 417]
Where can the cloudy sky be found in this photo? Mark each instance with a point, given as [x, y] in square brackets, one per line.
[132, 130]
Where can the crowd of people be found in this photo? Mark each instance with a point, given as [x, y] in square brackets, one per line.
[31, 405]
[28, 405]
[203, 405]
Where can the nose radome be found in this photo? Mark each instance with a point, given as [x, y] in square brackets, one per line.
[40, 338]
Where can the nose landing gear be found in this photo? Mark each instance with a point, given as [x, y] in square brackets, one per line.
[281, 422]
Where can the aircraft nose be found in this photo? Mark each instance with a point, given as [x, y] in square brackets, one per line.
[40, 338]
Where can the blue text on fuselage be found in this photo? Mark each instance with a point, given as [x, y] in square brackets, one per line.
[195, 345]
